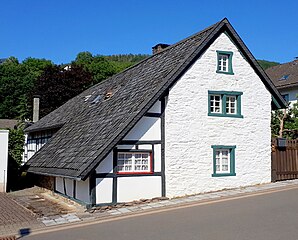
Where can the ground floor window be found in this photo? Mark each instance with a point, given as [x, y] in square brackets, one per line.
[223, 160]
[134, 162]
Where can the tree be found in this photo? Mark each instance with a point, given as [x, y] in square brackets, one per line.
[16, 144]
[284, 123]
[267, 64]
[16, 82]
[57, 85]
[15, 155]
[98, 66]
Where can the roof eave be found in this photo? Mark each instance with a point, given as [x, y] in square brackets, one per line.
[54, 175]
[43, 128]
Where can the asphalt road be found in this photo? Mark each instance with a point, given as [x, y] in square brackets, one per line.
[269, 216]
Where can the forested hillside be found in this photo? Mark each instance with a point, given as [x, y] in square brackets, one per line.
[20, 81]
[267, 64]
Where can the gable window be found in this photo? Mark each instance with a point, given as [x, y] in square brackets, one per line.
[224, 104]
[223, 160]
[134, 162]
[224, 62]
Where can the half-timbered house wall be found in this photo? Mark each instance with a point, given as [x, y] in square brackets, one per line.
[34, 141]
[145, 137]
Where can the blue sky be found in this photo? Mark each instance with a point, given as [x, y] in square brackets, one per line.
[58, 30]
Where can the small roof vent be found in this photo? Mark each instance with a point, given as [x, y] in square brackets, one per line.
[284, 77]
[96, 100]
[87, 98]
[108, 94]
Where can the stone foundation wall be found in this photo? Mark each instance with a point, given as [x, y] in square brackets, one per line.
[47, 182]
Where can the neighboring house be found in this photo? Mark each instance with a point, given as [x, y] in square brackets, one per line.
[285, 78]
[194, 117]
[5, 124]
[8, 123]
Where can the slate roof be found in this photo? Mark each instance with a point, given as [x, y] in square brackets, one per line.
[91, 126]
[284, 75]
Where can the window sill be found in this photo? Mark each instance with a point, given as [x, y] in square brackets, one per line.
[223, 174]
[229, 73]
[133, 173]
[225, 115]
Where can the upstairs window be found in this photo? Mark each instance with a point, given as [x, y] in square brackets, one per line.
[224, 104]
[134, 162]
[224, 62]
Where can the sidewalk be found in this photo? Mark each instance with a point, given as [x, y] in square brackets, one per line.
[122, 210]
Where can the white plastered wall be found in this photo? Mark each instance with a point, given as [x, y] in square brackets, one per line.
[134, 188]
[104, 189]
[147, 129]
[81, 191]
[3, 159]
[190, 132]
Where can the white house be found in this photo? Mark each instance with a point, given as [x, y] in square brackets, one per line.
[192, 118]
[285, 78]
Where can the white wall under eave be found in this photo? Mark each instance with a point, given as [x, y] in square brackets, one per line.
[147, 129]
[69, 187]
[82, 191]
[59, 187]
[135, 188]
[190, 132]
[156, 108]
[82, 188]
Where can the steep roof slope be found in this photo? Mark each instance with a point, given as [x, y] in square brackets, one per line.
[93, 125]
[284, 75]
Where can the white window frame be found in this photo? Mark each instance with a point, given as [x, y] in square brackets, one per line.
[130, 164]
[213, 101]
[220, 151]
[223, 62]
[229, 104]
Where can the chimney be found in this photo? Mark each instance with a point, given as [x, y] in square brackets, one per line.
[35, 108]
[159, 47]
